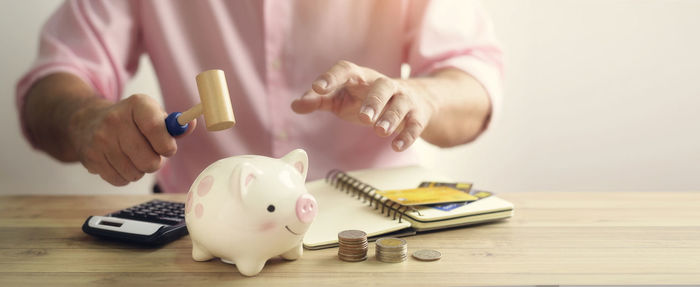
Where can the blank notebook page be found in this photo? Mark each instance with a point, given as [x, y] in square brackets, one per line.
[338, 210]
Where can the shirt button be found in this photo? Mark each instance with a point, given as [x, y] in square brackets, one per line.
[276, 64]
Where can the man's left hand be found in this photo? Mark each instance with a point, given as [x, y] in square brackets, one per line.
[365, 96]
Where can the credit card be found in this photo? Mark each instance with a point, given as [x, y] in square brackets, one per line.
[481, 194]
[463, 186]
[450, 206]
[427, 195]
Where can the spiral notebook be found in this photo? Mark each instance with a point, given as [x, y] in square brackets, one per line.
[349, 201]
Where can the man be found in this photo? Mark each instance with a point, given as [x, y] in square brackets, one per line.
[342, 57]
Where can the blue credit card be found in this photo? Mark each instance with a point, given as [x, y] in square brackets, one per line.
[450, 206]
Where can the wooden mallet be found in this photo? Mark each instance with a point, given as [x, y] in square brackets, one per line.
[215, 104]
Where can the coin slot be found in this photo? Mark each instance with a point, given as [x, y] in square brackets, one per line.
[111, 223]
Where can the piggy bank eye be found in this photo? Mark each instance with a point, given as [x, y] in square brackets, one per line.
[271, 208]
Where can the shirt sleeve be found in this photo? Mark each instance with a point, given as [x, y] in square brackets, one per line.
[456, 34]
[98, 41]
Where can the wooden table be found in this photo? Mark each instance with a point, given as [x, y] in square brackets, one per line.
[554, 238]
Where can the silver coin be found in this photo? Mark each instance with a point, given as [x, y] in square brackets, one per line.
[427, 255]
[391, 260]
[352, 235]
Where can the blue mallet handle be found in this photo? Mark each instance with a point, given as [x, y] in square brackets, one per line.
[174, 128]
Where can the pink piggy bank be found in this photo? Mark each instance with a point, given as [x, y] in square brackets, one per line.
[248, 209]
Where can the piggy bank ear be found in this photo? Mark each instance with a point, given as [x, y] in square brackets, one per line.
[241, 178]
[299, 160]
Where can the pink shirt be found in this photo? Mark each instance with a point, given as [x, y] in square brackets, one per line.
[271, 51]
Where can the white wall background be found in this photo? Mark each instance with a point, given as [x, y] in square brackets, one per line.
[600, 95]
[23, 170]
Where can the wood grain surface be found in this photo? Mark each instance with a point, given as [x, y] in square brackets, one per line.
[554, 238]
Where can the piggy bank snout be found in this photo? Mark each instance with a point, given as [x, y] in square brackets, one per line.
[306, 208]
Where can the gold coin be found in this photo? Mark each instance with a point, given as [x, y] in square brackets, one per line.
[391, 250]
[391, 242]
[391, 259]
[427, 255]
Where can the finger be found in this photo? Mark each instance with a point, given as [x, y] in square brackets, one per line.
[411, 130]
[96, 163]
[91, 161]
[109, 174]
[148, 117]
[190, 128]
[393, 115]
[139, 151]
[91, 169]
[121, 163]
[378, 96]
[336, 77]
[309, 102]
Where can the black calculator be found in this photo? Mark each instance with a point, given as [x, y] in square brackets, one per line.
[152, 223]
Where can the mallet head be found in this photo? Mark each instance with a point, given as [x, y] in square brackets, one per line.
[216, 103]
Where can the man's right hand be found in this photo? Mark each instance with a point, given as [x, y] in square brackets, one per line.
[122, 141]
[119, 141]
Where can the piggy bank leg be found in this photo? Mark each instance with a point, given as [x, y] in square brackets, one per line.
[250, 267]
[294, 253]
[199, 253]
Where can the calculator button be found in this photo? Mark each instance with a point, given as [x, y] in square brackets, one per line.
[166, 220]
[171, 213]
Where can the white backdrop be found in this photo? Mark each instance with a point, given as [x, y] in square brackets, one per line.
[600, 95]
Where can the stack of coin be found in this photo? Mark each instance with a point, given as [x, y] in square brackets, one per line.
[391, 250]
[352, 245]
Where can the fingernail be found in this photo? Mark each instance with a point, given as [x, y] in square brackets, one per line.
[384, 124]
[321, 83]
[369, 111]
[398, 144]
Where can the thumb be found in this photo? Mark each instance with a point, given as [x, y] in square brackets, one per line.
[190, 128]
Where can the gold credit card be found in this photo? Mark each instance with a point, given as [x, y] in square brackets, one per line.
[463, 186]
[427, 195]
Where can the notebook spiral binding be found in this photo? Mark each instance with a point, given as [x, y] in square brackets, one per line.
[367, 193]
